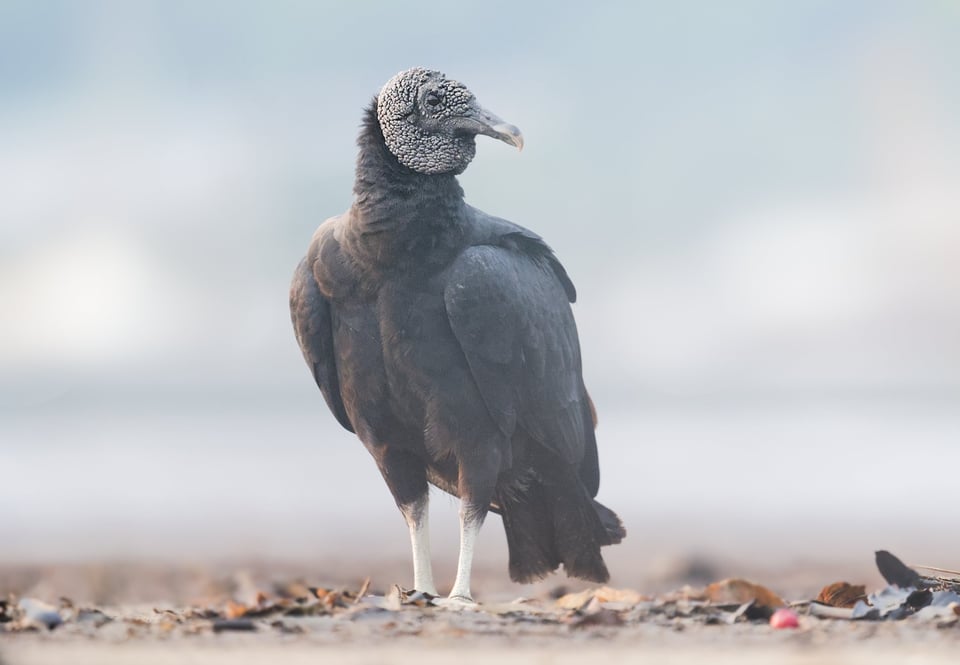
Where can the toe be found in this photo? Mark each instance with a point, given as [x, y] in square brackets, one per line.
[455, 602]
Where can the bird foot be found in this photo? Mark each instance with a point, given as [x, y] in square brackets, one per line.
[456, 602]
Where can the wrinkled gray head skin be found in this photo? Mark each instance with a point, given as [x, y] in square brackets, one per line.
[430, 122]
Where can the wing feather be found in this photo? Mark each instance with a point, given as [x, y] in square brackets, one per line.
[510, 312]
[310, 313]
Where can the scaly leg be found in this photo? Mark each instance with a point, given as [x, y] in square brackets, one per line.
[417, 516]
[470, 524]
[406, 477]
[476, 484]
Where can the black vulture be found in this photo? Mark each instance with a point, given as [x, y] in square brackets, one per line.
[444, 338]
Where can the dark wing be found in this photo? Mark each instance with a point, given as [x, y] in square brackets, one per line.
[490, 230]
[310, 313]
[509, 308]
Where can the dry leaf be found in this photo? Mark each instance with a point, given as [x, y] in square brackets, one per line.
[393, 600]
[234, 610]
[842, 594]
[739, 591]
[574, 601]
[166, 625]
[600, 618]
[331, 598]
[292, 590]
[605, 594]
[609, 595]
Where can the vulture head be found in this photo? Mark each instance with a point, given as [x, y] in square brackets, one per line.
[430, 122]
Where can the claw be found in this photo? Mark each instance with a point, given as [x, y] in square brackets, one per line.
[456, 603]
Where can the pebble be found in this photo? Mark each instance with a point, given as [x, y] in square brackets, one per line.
[38, 612]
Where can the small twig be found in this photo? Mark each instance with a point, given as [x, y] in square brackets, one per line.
[940, 570]
[363, 590]
[952, 583]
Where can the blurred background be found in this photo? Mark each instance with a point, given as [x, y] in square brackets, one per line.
[758, 202]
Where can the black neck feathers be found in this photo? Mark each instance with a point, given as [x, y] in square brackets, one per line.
[386, 191]
[397, 210]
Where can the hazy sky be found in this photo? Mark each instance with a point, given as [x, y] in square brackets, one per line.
[751, 193]
[758, 202]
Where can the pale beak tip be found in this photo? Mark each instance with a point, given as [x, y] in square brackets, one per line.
[510, 134]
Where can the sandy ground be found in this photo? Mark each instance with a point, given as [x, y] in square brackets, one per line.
[819, 642]
[161, 613]
[198, 490]
[240, 652]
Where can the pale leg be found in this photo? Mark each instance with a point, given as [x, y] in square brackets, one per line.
[469, 528]
[417, 516]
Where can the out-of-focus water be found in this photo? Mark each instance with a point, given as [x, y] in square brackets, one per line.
[283, 480]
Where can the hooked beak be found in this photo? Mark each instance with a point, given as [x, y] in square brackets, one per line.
[486, 123]
[508, 134]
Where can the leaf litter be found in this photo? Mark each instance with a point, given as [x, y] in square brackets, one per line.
[296, 609]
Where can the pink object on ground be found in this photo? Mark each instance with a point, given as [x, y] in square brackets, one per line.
[784, 618]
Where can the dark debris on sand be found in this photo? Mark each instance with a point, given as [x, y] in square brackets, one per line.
[342, 614]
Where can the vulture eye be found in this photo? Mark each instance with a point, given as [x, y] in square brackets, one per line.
[433, 99]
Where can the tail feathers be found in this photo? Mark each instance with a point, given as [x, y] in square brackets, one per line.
[549, 525]
[611, 524]
[530, 537]
[579, 534]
